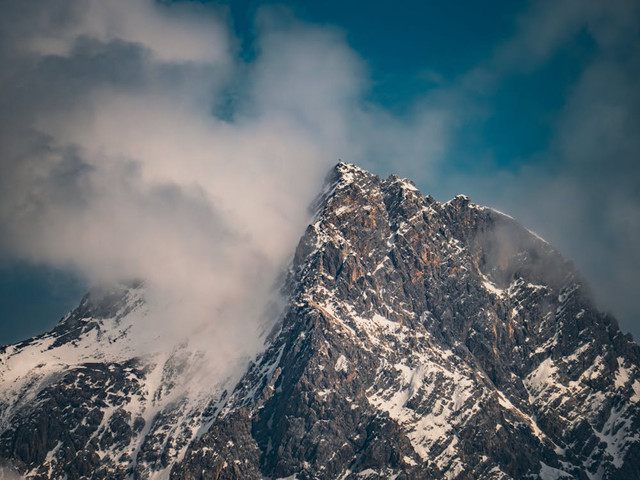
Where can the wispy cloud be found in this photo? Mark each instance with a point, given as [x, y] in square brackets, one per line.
[114, 166]
[135, 143]
[582, 190]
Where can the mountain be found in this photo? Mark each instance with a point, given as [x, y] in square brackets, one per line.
[420, 340]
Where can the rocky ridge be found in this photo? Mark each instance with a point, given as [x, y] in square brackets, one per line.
[421, 340]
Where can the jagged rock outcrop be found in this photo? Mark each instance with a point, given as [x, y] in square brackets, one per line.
[420, 341]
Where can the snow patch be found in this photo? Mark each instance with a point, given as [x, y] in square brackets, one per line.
[550, 473]
[622, 374]
[342, 365]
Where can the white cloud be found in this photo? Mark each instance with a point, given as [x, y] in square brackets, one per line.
[114, 165]
[175, 33]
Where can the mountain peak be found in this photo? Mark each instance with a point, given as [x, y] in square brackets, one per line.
[346, 173]
[419, 340]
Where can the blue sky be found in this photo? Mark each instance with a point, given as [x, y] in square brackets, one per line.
[529, 107]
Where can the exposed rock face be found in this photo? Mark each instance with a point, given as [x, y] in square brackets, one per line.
[421, 340]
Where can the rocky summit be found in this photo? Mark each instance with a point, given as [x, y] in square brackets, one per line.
[420, 340]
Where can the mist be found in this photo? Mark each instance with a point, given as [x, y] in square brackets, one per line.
[580, 190]
[117, 167]
[136, 143]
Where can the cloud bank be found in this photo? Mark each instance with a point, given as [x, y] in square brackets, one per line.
[136, 144]
[116, 166]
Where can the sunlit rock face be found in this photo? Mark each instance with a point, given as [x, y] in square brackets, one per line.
[419, 340]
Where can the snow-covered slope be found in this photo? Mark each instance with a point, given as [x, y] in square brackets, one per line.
[93, 399]
[420, 340]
